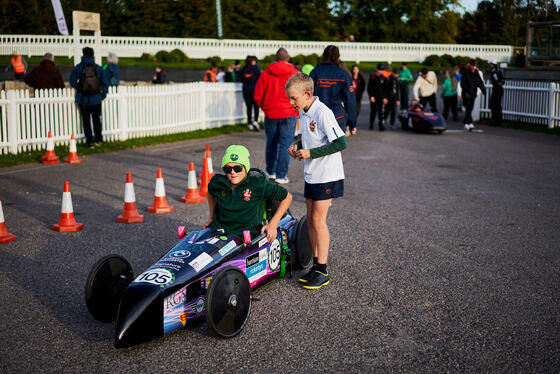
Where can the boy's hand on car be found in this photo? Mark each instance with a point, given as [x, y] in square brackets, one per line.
[271, 231]
[207, 223]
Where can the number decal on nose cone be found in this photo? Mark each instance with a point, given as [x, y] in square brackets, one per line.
[274, 255]
[159, 277]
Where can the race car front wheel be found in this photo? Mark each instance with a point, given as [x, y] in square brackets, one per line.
[105, 285]
[303, 253]
[228, 302]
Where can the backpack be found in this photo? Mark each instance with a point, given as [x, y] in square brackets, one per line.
[113, 79]
[89, 83]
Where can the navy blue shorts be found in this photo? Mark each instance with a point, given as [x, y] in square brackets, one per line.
[324, 191]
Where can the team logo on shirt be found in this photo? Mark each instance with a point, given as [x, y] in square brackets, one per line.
[352, 88]
[223, 193]
[247, 194]
[312, 126]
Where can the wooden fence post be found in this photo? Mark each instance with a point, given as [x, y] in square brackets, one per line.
[551, 104]
[13, 121]
[122, 108]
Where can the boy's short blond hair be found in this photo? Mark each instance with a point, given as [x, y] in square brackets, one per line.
[301, 82]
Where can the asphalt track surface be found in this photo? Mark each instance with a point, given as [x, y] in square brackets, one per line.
[444, 258]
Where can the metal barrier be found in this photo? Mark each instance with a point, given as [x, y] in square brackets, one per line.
[527, 101]
[128, 112]
[60, 45]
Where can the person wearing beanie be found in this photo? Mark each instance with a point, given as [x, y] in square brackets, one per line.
[235, 198]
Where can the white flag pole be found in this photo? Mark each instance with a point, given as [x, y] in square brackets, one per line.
[59, 15]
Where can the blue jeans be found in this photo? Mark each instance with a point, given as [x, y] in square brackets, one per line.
[279, 137]
[404, 95]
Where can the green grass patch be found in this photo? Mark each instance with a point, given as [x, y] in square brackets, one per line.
[523, 126]
[62, 151]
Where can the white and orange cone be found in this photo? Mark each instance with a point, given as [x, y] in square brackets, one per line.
[209, 157]
[5, 236]
[160, 202]
[192, 196]
[67, 222]
[130, 213]
[50, 157]
[73, 153]
[205, 178]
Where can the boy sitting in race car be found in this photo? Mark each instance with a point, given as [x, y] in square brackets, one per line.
[236, 199]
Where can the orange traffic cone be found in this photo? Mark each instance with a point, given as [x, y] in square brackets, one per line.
[209, 157]
[192, 196]
[73, 153]
[160, 202]
[5, 236]
[130, 213]
[67, 222]
[50, 157]
[205, 178]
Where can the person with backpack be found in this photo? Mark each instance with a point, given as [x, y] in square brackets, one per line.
[91, 89]
[111, 69]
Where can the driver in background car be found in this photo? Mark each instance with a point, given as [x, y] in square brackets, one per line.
[236, 199]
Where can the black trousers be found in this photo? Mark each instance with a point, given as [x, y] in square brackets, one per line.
[252, 107]
[391, 107]
[95, 112]
[468, 102]
[429, 99]
[376, 109]
[496, 104]
[450, 102]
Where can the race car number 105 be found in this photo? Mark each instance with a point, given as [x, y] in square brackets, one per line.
[159, 277]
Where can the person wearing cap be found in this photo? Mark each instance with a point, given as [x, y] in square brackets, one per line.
[497, 79]
[425, 89]
[18, 63]
[235, 198]
[46, 75]
[377, 99]
[405, 77]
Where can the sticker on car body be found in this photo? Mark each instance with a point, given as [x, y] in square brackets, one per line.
[201, 261]
[227, 248]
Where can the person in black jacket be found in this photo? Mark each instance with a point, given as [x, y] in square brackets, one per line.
[249, 76]
[359, 85]
[471, 80]
[376, 92]
[393, 93]
[497, 79]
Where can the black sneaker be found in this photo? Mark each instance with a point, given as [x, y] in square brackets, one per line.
[306, 277]
[317, 281]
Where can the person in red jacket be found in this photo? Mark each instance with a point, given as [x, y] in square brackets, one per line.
[280, 118]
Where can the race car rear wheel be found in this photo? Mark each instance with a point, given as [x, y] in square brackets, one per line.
[303, 253]
[228, 302]
[105, 285]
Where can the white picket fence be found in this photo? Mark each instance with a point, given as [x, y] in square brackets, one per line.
[60, 45]
[534, 102]
[128, 112]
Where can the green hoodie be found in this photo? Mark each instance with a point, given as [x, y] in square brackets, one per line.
[447, 90]
[405, 76]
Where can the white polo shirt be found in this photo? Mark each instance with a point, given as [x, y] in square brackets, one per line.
[319, 127]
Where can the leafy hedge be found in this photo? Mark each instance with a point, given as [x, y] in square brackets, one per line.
[448, 62]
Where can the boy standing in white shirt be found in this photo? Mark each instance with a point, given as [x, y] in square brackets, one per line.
[322, 139]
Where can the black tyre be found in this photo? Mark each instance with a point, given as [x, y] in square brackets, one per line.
[303, 253]
[105, 285]
[228, 302]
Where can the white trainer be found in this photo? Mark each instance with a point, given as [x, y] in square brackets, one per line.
[256, 126]
[284, 180]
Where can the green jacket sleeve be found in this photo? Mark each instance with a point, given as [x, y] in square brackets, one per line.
[338, 145]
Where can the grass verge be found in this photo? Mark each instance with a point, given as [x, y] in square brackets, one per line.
[524, 127]
[62, 151]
